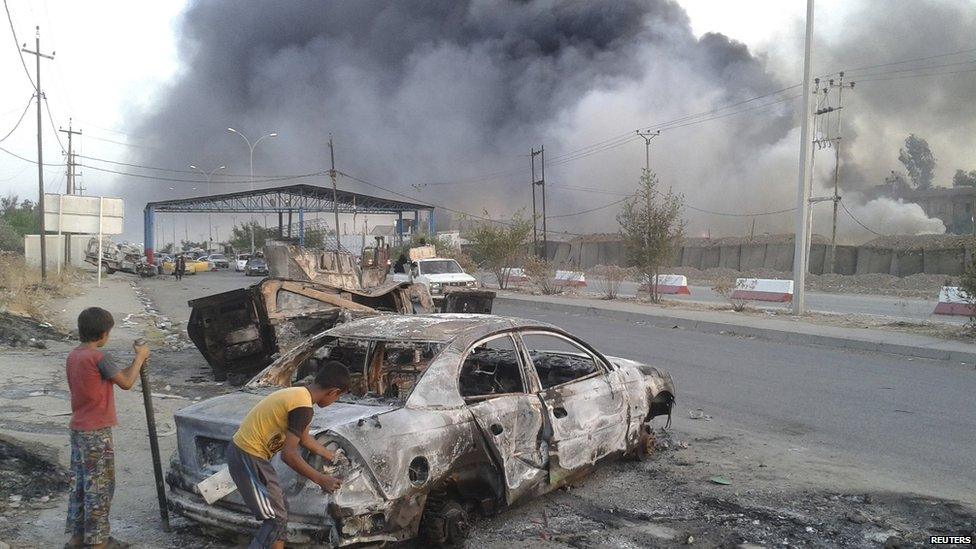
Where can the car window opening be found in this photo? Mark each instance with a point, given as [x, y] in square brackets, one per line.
[445, 266]
[491, 369]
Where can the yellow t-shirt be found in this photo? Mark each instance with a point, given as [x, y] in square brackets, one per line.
[262, 433]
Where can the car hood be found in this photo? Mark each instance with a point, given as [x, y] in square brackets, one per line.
[450, 277]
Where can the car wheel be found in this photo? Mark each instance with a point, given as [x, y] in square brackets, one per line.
[445, 523]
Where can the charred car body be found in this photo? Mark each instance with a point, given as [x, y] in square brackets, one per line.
[448, 415]
[241, 331]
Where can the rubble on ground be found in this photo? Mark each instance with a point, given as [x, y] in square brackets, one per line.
[20, 331]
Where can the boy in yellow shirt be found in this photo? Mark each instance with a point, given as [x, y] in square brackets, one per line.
[279, 423]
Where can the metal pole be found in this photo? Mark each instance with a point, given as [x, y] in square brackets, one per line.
[154, 444]
[535, 234]
[100, 199]
[545, 230]
[805, 176]
[833, 229]
[252, 191]
[335, 191]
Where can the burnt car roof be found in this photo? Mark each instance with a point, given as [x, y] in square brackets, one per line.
[436, 328]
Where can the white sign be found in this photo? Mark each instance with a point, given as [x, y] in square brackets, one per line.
[80, 214]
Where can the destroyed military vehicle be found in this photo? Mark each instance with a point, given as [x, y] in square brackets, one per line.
[240, 332]
[449, 416]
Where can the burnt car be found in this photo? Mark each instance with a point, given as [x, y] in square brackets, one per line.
[449, 416]
[240, 331]
[256, 266]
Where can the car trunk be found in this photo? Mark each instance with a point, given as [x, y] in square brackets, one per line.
[205, 430]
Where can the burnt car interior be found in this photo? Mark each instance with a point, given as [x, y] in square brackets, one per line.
[558, 360]
[383, 369]
[491, 368]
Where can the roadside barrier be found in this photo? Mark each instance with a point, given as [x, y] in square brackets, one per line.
[575, 279]
[515, 275]
[763, 289]
[669, 284]
[952, 302]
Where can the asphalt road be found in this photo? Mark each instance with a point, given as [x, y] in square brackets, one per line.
[895, 307]
[906, 419]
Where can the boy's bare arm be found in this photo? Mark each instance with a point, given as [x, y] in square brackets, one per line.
[127, 377]
[293, 459]
[309, 443]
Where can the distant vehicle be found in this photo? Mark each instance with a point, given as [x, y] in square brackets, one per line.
[241, 262]
[219, 261]
[440, 275]
[256, 266]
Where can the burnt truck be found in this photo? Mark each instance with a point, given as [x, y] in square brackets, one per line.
[449, 416]
[241, 331]
[124, 257]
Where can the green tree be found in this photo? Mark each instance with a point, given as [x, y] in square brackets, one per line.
[497, 245]
[20, 216]
[240, 237]
[652, 227]
[963, 178]
[918, 160]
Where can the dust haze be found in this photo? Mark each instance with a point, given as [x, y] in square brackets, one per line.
[427, 98]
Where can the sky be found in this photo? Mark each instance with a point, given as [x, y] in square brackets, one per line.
[117, 60]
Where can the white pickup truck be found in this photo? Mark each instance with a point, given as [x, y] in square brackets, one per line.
[437, 274]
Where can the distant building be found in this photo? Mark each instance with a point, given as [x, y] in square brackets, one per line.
[953, 205]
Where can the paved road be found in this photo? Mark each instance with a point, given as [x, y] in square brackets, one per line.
[909, 419]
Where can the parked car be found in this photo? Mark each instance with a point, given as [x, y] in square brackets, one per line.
[241, 262]
[256, 266]
[438, 274]
[448, 415]
[219, 261]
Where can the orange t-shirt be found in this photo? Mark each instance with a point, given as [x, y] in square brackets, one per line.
[90, 373]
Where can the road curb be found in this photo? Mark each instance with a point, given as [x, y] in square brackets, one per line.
[728, 328]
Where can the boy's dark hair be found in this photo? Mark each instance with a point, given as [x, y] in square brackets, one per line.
[93, 322]
[333, 375]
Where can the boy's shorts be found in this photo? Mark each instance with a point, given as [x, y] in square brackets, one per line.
[92, 484]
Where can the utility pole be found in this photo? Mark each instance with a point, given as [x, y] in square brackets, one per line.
[335, 191]
[40, 149]
[801, 235]
[839, 86]
[71, 157]
[539, 183]
[648, 135]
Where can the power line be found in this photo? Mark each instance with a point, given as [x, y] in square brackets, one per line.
[54, 127]
[905, 77]
[923, 67]
[19, 120]
[910, 60]
[13, 32]
[605, 206]
[856, 220]
[197, 181]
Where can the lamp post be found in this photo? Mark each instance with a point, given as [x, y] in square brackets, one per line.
[209, 175]
[251, 147]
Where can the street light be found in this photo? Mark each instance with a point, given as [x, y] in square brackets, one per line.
[209, 175]
[251, 148]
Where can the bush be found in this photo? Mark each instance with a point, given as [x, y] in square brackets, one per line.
[10, 239]
[610, 278]
[542, 274]
[724, 287]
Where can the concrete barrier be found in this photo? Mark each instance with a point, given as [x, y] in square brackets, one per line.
[952, 302]
[575, 279]
[763, 289]
[669, 284]
[515, 275]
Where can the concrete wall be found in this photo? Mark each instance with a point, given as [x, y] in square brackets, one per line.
[56, 250]
[774, 257]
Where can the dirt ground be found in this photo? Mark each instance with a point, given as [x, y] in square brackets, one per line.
[710, 484]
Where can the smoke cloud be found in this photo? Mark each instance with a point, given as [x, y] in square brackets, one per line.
[443, 93]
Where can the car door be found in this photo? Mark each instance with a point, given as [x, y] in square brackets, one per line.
[582, 400]
[493, 384]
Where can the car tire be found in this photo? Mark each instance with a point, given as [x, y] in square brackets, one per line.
[445, 523]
